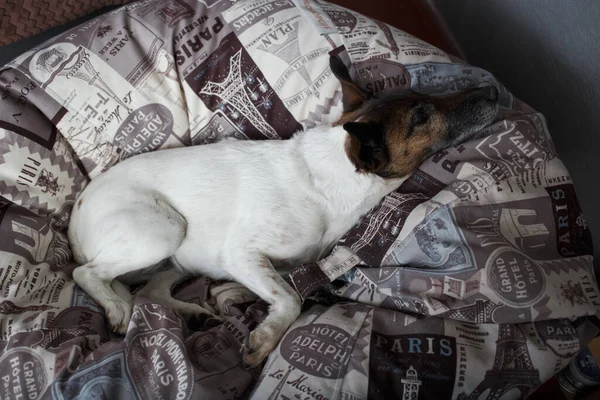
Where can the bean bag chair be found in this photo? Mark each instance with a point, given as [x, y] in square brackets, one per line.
[473, 279]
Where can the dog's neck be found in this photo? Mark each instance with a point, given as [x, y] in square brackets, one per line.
[333, 175]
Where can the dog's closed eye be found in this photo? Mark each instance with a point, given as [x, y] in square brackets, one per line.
[420, 115]
[421, 112]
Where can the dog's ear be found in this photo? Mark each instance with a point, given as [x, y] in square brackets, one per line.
[352, 95]
[367, 146]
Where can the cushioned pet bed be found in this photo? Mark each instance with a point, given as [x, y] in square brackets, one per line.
[475, 277]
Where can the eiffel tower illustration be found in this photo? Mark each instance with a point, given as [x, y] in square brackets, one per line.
[478, 313]
[289, 51]
[276, 394]
[77, 65]
[512, 367]
[232, 91]
[382, 220]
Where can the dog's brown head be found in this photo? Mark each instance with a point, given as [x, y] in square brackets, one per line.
[391, 136]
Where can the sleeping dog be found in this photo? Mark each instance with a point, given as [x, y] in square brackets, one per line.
[239, 210]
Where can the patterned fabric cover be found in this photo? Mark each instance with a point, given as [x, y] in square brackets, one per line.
[475, 277]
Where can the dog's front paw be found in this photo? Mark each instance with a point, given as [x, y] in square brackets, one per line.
[119, 315]
[257, 347]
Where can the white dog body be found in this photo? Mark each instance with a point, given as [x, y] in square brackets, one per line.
[224, 210]
[289, 200]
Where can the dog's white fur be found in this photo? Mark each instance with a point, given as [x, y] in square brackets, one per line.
[233, 210]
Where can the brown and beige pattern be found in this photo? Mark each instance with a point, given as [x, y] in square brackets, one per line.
[475, 277]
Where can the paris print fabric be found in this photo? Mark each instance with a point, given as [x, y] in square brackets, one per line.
[474, 278]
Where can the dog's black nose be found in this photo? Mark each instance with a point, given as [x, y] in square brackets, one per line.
[490, 92]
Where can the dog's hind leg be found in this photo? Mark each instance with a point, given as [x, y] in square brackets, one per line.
[158, 289]
[131, 239]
